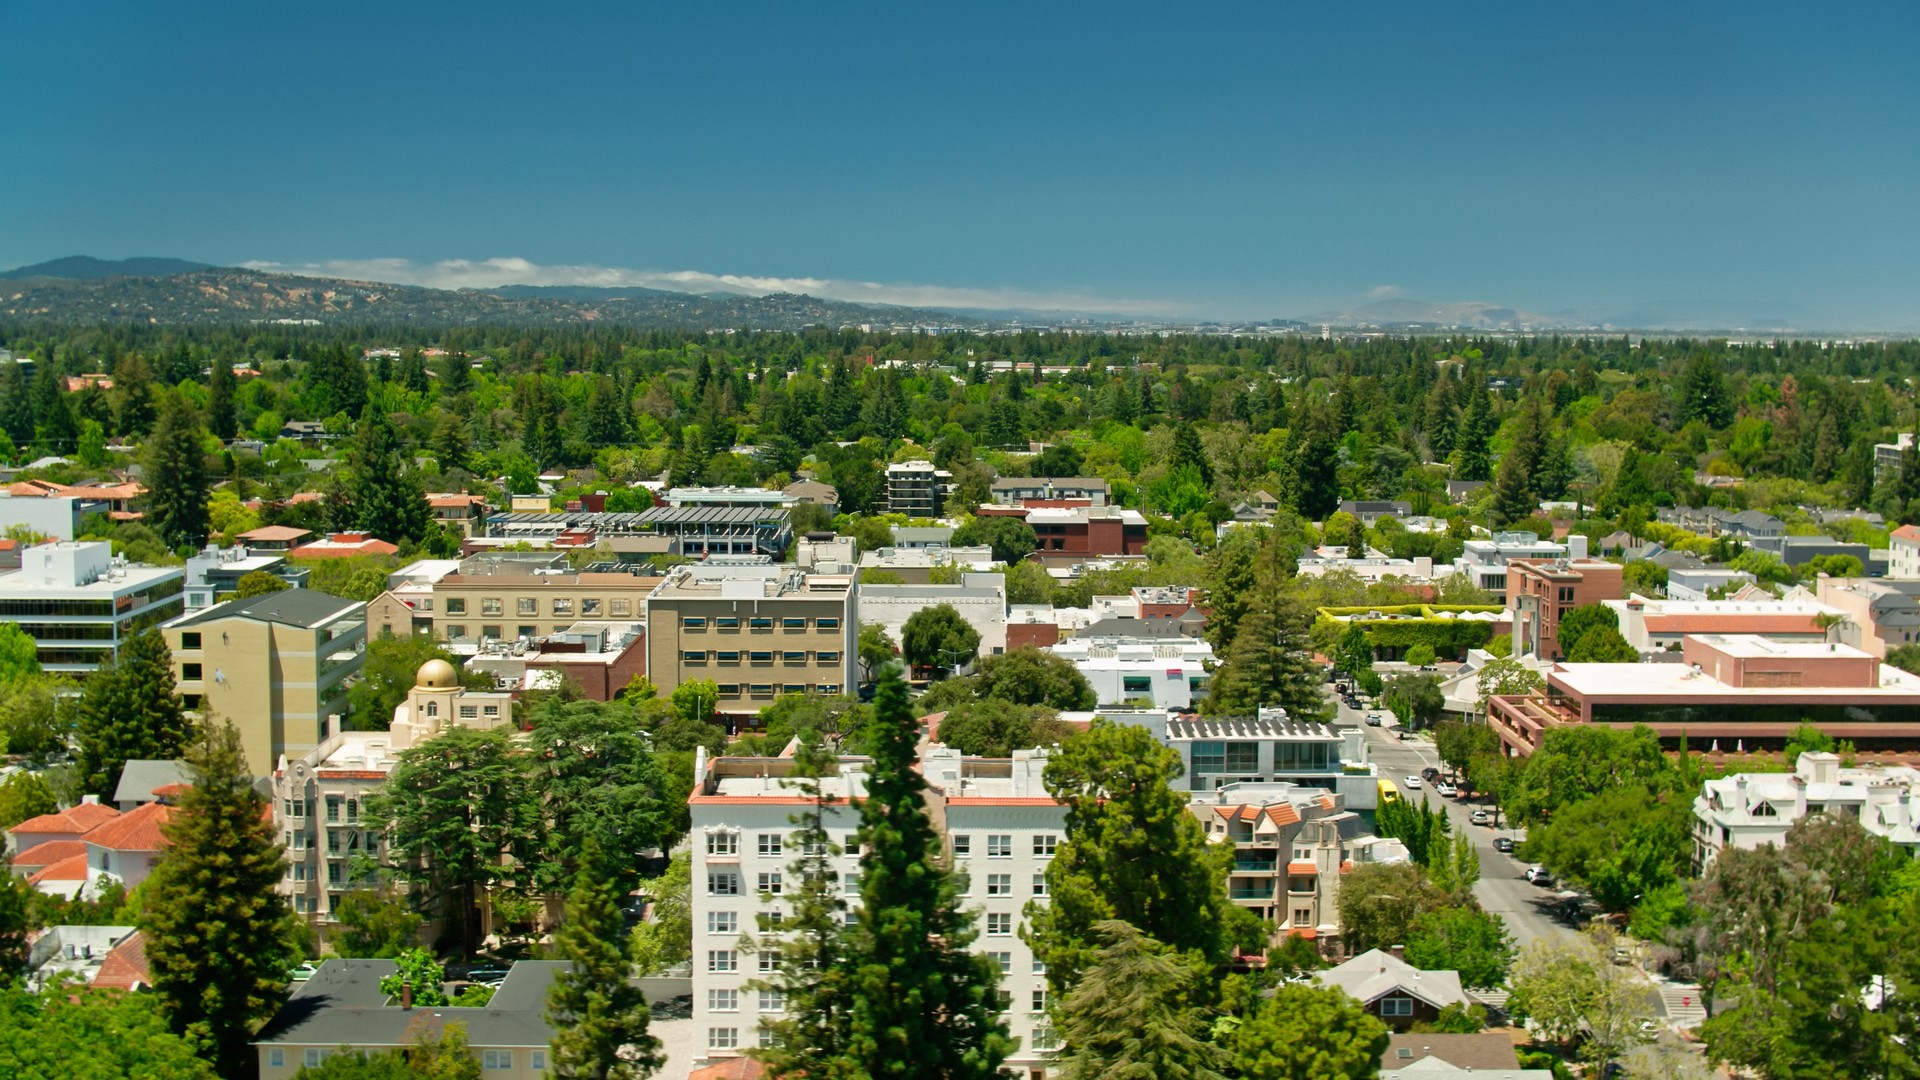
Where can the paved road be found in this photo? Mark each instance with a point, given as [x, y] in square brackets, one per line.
[1501, 889]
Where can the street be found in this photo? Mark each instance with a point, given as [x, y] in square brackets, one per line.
[1526, 908]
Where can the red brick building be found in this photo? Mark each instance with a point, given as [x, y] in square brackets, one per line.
[1541, 591]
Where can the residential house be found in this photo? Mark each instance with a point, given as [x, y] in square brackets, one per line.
[341, 1009]
[1749, 810]
[1880, 615]
[815, 492]
[79, 602]
[459, 511]
[1903, 553]
[276, 666]
[274, 538]
[1400, 994]
[1800, 550]
[125, 850]
[64, 826]
[1371, 511]
[1484, 1055]
[1464, 491]
[141, 782]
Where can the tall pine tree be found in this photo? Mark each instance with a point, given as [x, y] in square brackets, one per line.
[218, 932]
[220, 415]
[388, 500]
[923, 1006]
[177, 474]
[599, 1017]
[129, 712]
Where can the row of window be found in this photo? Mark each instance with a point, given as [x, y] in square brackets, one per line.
[728, 1038]
[775, 1001]
[767, 690]
[724, 842]
[732, 656]
[1000, 845]
[589, 607]
[760, 622]
[772, 883]
[490, 1060]
[339, 841]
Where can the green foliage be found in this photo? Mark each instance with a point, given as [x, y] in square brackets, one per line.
[16, 919]
[1419, 655]
[76, 1035]
[993, 728]
[24, 795]
[599, 1017]
[416, 972]
[1456, 1019]
[1030, 676]
[922, 1004]
[357, 577]
[1905, 657]
[1132, 852]
[1380, 902]
[1581, 761]
[666, 938]
[1424, 829]
[1131, 1013]
[1308, 1033]
[1576, 624]
[939, 637]
[176, 474]
[1807, 738]
[19, 654]
[389, 672]
[1618, 844]
[374, 924]
[1270, 663]
[217, 928]
[1415, 699]
[1463, 939]
[257, 583]
[34, 718]
[1011, 538]
[1572, 993]
[129, 712]
[876, 649]
[593, 777]
[1602, 645]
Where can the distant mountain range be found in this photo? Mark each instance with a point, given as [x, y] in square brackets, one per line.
[82, 289]
[1472, 315]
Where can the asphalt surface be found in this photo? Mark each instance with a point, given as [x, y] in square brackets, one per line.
[1528, 910]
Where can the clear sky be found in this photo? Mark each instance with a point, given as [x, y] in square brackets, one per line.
[1629, 161]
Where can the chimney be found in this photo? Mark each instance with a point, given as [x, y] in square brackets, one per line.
[406, 995]
[1398, 952]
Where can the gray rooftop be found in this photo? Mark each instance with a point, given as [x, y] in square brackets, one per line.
[1248, 727]
[138, 779]
[290, 607]
[341, 1005]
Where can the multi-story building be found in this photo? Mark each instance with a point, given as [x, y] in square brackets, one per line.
[216, 571]
[693, 530]
[915, 566]
[512, 600]
[1732, 691]
[406, 608]
[320, 796]
[1657, 625]
[1887, 457]
[1879, 615]
[1289, 844]
[1271, 748]
[728, 496]
[1170, 672]
[79, 602]
[1018, 490]
[1749, 810]
[1087, 530]
[463, 513]
[1001, 830]
[980, 599]
[1541, 593]
[1903, 553]
[917, 489]
[275, 666]
[758, 631]
[1485, 561]
[58, 517]
[1697, 583]
[599, 658]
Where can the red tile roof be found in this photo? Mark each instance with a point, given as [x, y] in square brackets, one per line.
[125, 967]
[47, 854]
[742, 1068]
[72, 868]
[76, 820]
[135, 830]
[343, 545]
[1907, 532]
[271, 533]
[1302, 867]
[1283, 814]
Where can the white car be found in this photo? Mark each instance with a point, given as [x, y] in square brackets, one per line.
[1413, 783]
[1446, 790]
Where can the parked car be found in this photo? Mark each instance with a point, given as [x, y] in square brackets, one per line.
[1373, 719]
[1503, 844]
[1539, 875]
[1481, 817]
[1622, 955]
[487, 976]
[301, 972]
[1446, 790]
[1429, 774]
[1413, 783]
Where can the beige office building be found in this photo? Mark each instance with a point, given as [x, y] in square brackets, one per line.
[759, 631]
[275, 666]
[508, 606]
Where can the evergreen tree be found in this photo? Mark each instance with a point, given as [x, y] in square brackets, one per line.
[1188, 451]
[458, 375]
[128, 712]
[177, 475]
[1133, 853]
[450, 445]
[133, 384]
[1309, 1033]
[339, 381]
[607, 416]
[217, 929]
[55, 427]
[1131, 1014]
[388, 500]
[413, 372]
[16, 404]
[1471, 460]
[812, 1037]
[220, 414]
[1270, 662]
[1703, 392]
[1316, 460]
[16, 901]
[599, 1017]
[923, 1005]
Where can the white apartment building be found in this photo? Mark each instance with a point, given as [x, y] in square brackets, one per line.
[80, 602]
[1000, 828]
[1903, 552]
[981, 599]
[1485, 561]
[1748, 810]
[1171, 673]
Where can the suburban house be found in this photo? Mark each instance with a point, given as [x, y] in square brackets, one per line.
[1484, 1055]
[1400, 994]
[1749, 810]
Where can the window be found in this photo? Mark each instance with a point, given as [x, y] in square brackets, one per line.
[1243, 757]
[469, 712]
[760, 657]
[563, 605]
[1005, 960]
[1043, 845]
[962, 845]
[1045, 1038]
[759, 623]
[723, 883]
[773, 1001]
[490, 710]
[1209, 757]
[192, 641]
[621, 606]
[189, 672]
[728, 689]
[723, 922]
[296, 808]
[723, 960]
[526, 605]
[456, 605]
[723, 843]
[1039, 884]
[1302, 916]
[851, 884]
[999, 924]
[828, 688]
[771, 920]
[490, 605]
[1039, 1000]
[727, 656]
[315, 1058]
[999, 845]
[826, 623]
[827, 657]
[694, 656]
[723, 1038]
[693, 622]
[792, 657]
[496, 1059]
[761, 689]
[1136, 684]
[794, 624]
[456, 631]
[769, 962]
[1396, 1006]
[589, 606]
[276, 1058]
[770, 882]
[353, 809]
[537, 1059]
[1039, 966]
[723, 1000]
[999, 884]
[770, 843]
[525, 631]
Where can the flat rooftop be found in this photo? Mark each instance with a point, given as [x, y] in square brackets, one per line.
[1600, 682]
[1751, 646]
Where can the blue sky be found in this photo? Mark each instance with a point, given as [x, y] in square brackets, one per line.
[1716, 163]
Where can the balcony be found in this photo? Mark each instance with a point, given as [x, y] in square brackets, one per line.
[1254, 866]
[1250, 894]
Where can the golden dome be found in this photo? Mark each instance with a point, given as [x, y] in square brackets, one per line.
[436, 675]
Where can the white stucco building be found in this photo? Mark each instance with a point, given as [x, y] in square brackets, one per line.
[981, 599]
[1747, 810]
[1169, 673]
